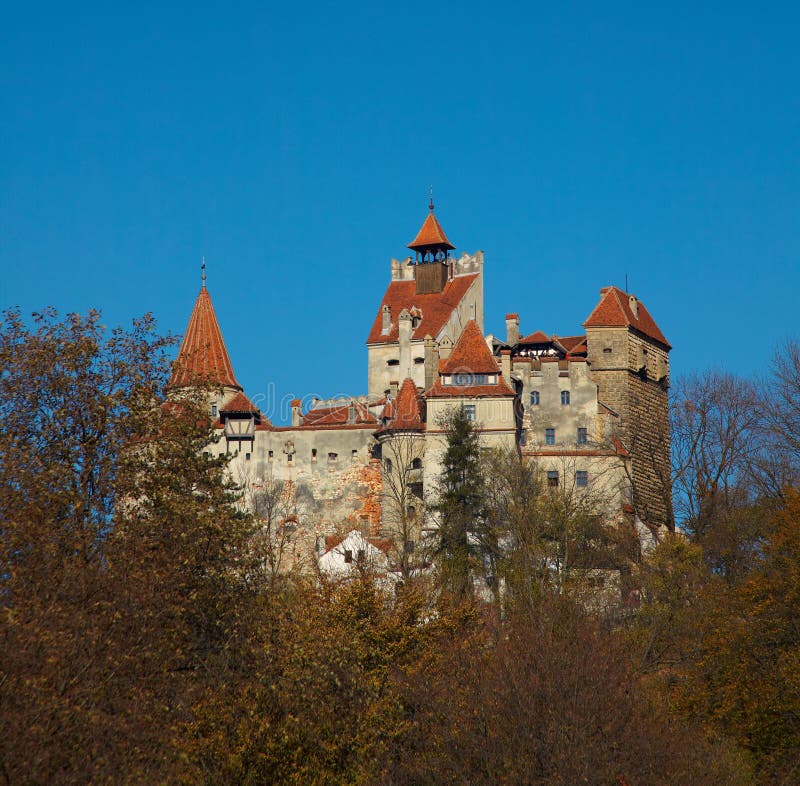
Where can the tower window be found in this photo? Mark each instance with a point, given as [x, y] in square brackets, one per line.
[582, 436]
[213, 410]
[564, 398]
[581, 478]
[534, 398]
[549, 436]
[552, 478]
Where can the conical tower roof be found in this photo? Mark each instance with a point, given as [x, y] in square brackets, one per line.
[407, 412]
[431, 235]
[203, 356]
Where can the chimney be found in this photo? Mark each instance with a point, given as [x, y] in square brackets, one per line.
[634, 304]
[505, 363]
[297, 412]
[404, 328]
[352, 412]
[394, 386]
[512, 329]
[431, 361]
[386, 319]
[445, 347]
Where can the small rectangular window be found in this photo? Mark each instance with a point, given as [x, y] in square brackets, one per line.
[552, 478]
[469, 411]
[564, 398]
[582, 436]
[313, 454]
[581, 478]
[289, 458]
[549, 436]
[534, 398]
[247, 457]
[348, 555]
[271, 455]
[523, 437]
[332, 456]
[213, 410]
[361, 555]
[354, 453]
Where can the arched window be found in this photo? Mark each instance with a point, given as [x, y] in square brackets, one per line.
[416, 463]
[564, 398]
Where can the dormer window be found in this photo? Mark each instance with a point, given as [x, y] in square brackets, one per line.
[464, 380]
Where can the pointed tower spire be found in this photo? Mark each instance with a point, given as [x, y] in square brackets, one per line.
[432, 254]
[431, 243]
[203, 356]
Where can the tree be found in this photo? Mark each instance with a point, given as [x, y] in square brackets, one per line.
[122, 591]
[460, 507]
[402, 510]
[552, 539]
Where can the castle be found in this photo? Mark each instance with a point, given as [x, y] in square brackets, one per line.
[591, 409]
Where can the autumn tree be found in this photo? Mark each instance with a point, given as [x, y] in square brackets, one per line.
[123, 570]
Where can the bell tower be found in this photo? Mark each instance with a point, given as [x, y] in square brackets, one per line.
[432, 255]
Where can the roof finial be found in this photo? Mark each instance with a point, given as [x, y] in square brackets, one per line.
[203, 272]
[430, 206]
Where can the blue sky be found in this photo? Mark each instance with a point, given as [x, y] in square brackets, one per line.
[293, 146]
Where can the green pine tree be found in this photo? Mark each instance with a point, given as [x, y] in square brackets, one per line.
[460, 505]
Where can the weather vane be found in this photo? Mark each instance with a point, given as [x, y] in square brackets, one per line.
[431, 204]
[203, 272]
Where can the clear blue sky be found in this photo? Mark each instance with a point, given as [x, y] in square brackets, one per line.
[293, 145]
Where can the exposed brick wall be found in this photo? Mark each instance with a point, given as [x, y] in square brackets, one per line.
[632, 375]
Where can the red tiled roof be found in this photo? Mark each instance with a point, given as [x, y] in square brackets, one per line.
[572, 343]
[338, 415]
[435, 308]
[438, 390]
[470, 354]
[614, 310]
[407, 412]
[203, 356]
[430, 234]
[536, 338]
[240, 403]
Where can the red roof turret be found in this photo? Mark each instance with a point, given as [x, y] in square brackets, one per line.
[431, 236]
[203, 356]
